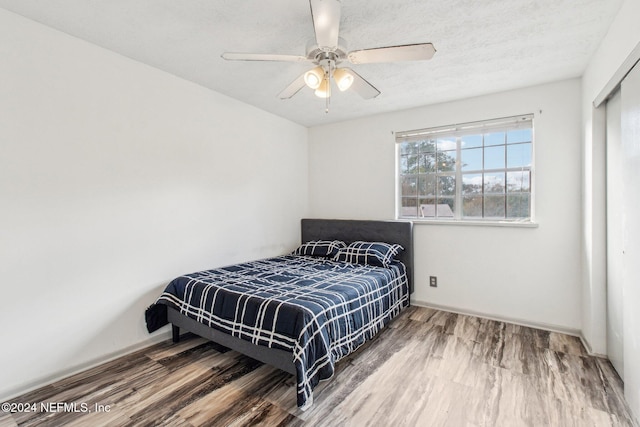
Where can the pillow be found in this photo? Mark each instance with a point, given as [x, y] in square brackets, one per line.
[372, 253]
[320, 248]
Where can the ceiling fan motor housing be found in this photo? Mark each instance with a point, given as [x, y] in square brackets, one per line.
[317, 54]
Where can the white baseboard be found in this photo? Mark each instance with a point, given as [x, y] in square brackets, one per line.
[57, 376]
[587, 347]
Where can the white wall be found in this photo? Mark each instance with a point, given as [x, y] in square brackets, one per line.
[621, 39]
[530, 275]
[114, 178]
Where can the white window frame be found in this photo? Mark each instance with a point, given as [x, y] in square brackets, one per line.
[458, 130]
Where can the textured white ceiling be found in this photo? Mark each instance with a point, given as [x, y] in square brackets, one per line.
[483, 46]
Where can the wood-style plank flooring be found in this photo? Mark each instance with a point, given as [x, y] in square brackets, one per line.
[428, 368]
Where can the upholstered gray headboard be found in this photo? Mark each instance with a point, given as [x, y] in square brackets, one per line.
[348, 230]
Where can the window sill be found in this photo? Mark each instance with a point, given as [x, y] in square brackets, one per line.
[514, 224]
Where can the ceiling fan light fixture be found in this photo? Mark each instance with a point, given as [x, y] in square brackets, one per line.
[343, 78]
[313, 78]
[324, 90]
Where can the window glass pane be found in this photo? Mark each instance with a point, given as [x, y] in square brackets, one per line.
[427, 185]
[494, 183]
[471, 141]
[495, 138]
[472, 206]
[445, 207]
[428, 146]
[445, 144]
[408, 147]
[472, 159]
[518, 205]
[428, 207]
[428, 163]
[494, 206]
[494, 157]
[409, 207]
[409, 164]
[446, 186]
[409, 186]
[472, 183]
[519, 155]
[446, 161]
[403, 165]
[519, 135]
[518, 182]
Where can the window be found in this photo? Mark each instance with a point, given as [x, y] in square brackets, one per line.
[472, 171]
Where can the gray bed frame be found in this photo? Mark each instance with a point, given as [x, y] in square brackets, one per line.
[348, 231]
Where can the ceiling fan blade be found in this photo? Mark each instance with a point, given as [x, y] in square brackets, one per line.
[326, 22]
[293, 88]
[361, 86]
[409, 52]
[233, 56]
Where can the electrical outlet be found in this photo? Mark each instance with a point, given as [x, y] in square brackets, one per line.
[433, 281]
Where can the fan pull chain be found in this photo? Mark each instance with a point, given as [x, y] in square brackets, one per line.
[328, 98]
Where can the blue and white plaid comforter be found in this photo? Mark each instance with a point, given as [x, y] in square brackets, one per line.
[320, 310]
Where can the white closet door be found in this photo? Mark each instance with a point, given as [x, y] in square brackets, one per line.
[631, 240]
[615, 235]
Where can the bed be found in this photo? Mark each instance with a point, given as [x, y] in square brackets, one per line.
[299, 312]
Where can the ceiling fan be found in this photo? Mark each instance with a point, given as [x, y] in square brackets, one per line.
[329, 51]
